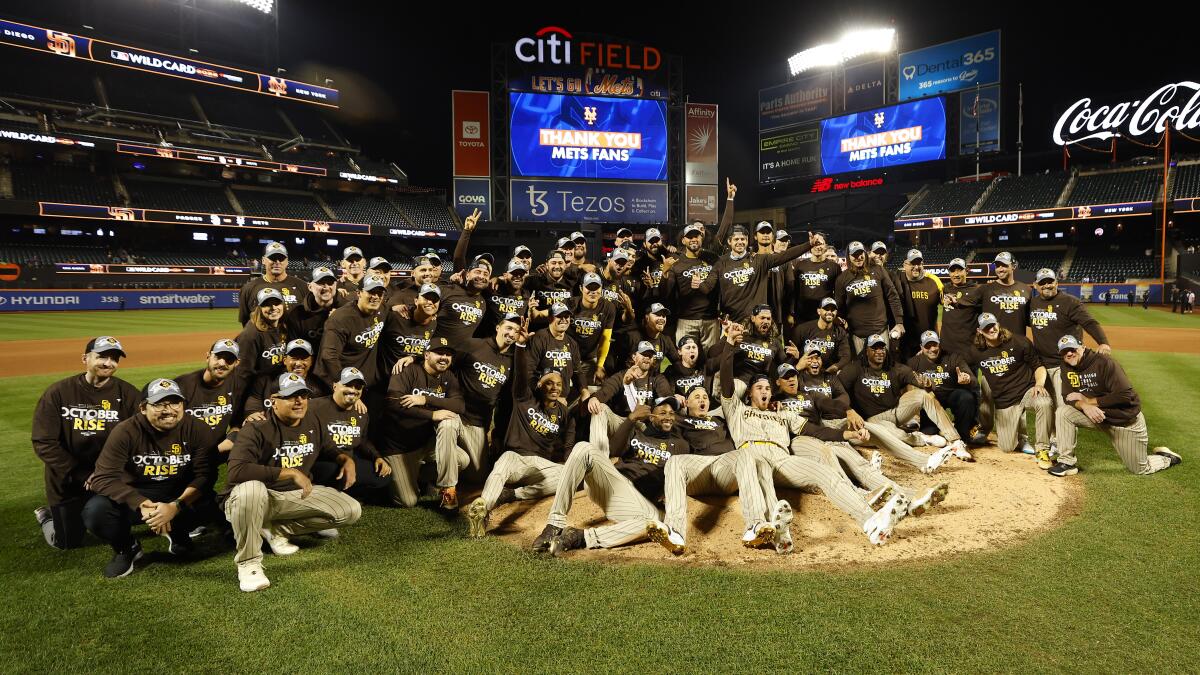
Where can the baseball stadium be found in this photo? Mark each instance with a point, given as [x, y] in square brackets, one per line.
[332, 348]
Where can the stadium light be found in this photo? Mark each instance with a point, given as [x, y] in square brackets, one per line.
[852, 45]
[263, 6]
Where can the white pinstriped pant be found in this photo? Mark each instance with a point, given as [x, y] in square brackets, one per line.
[885, 427]
[1009, 420]
[535, 477]
[1130, 442]
[707, 475]
[604, 424]
[252, 507]
[847, 461]
[775, 465]
[608, 489]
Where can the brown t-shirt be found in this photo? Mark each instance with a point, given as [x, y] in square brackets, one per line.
[351, 340]
[1102, 378]
[409, 429]
[944, 371]
[833, 342]
[873, 390]
[1064, 314]
[139, 462]
[217, 407]
[263, 449]
[960, 321]
[865, 299]
[1008, 369]
[483, 372]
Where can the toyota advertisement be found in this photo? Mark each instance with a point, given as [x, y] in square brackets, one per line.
[588, 137]
[877, 139]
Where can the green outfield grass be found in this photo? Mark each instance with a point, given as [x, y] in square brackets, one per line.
[53, 325]
[1136, 317]
[1111, 590]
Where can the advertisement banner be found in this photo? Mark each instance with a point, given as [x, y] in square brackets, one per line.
[94, 268]
[56, 210]
[587, 202]
[982, 107]
[702, 203]
[1086, 212]
[863, 86]
[471, 133]
[806, 99]
[554, 60]
[789, 154]
[701, 167]
[1114, 293]
[951, 66]
[877, 139]
[45, 300]
[84, 48]
[471, 194]
[588, 137]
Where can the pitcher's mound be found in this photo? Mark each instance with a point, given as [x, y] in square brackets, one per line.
[1001, 499]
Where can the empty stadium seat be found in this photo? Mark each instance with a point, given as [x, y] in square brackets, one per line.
[1186, 182]
[426, 211]
[280, 205]
[178, 196]
[1115, 188]
[58, 183]
[947, 199]
[1031, 191]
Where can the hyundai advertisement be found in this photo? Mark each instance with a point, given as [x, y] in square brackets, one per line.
[877, 139]
[588, 137]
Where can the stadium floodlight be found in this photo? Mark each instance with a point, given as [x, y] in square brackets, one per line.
[263, 6]
[852, 45]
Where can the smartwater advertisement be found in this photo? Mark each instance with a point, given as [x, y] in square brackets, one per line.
[49, 300]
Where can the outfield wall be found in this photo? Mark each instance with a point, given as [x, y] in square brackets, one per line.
[62, 300]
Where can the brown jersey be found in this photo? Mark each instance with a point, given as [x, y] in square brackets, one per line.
[1102, 378]
[140, 463]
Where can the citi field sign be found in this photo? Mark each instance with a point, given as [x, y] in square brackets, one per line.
[1174, 105]
[554, 45]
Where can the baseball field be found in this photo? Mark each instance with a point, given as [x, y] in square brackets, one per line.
[1103, 582]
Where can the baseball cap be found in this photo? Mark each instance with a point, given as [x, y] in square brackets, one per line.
[684, 340]
[652, 234]
[291, 384]
[512, 317]
[434, 259]
[692, 228]
[764, 226]
[379, 262]
[855, 247]
[422, 261]
[371, 282]
[1069, 342]
[1004, 258]
[782, 235]
[957, 262]
[591, 279]
[351, 251]
[226, 346]
[667, 400]
[558, 309]
[762, 307]
[624, 232]
[565, 242]
[578, 236]
[1046, 273]
[987, 319]
[644, 347]
[351, 374]
[322, 273]
[157, 390]
[522, 251]
[785, 370]
[477, 262]
[102, 344]
[491, 259]
[739, 229]
[516, 265]
[429, 289]
[914, 254]
[876, 340]
[299, 344]
[266, 294]
[828, 302]
[619, 254]
[440, 344]
[556, 254]
[275, 250]
[930, 336]
[756, 377]
[659, 309]
[878, 246]
[811, 347]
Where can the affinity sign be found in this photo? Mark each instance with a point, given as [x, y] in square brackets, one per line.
[891, 136]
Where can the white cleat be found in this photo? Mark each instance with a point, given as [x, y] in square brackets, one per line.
[876, 460]
[878, 496]
[330, 533]
[781, 517]
[928, 499]
[278, 543]
[936, 460]
[933, 440]
[663, 535]
[1026, 447]
[252, 578]
[879, 526]
[759, 534]
[959, 450]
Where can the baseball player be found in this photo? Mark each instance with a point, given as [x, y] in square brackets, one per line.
[352, 335]
[274, 266]
[815, 278]
[960, 310]
[626, 491]
[865, 293]
[348, 426]
[407, 331]
[72, 420]
[920, 296]
[1017, 381]
[354, 267]
[462, 307]
[688, 371]
[549, 284]
[262, 340]
[507, 295]
[827, 333]
[697, 311]
[652, 328]
[622, 392]
[153, 469]
[306, 319]
[760, 348]
[552, 348]
[1099, 395]
[426, 269]
[952, 381]
[298, 359]
[592, 321]
[741, 277]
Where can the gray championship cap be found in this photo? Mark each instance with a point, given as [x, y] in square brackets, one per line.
[876, 340]
[351, 251]
[659, 309]
[987, 319]
[291, 384]
[1044, 274]
[652, 234]
[379, 262]
[828, 302]
[692, 228]
[667, 400]
[591, 279]
[578, 237]
[785, 370]
[268, 294]
[515, 265]
[930, 336]
[645, 347]
[558, 309]
[619, 254]
[855, 247]
[879, 247]
[624, 232]
[299, 345]
[522, 251]
[429, 289]
[1004, 258]
[227, 346]
[162, 388]
[913, 256]
[321, 273]
[782, 235]
[275, 250]
[351, 374]
[104, 343]
[957, 262]
[1069, 342]
[373, 281]
[764, 226]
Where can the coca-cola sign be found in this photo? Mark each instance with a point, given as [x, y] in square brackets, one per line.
[1176, 105]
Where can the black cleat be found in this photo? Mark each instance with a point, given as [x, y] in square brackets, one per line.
[1170, 454]
[542, 543]
[122, 562]
[568, 540]
[1060, 470]
[179, 543]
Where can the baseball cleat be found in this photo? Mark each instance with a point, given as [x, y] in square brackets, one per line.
[1174, 457]
[662, 534]
[959, 450]
[879, 526]
[449, 498]
[42, 514]
[252, 578]
[758, 534]
[569, 539]
[122, 562]
[542, 543]
[878, 496]
[278, 543]
[979, 439]
[1044, 460]
[928, 499]
[781, 517]
[1025, 447]
[329, 533]
[477, 516]
[178, 543]
[876, 460]
[937, 459]
[932, 439]
[1059, 469]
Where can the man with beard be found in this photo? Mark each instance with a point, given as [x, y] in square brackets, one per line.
[549, 285]
[462, 307]
[652, 329]
[214, 399]
[507, 295]
[828, 335]
[153, 469]
[552, 349]
[624, 391]
[1005, 297]
[760, 349]
[654, 260]
[951, 380]
[71, 422]
[354, 266]
[618, 288]
[348, 426]
[688, 370]
[1017, 382]
[815, 277]
[579, 251]
[426, 269]
[274, 265]
[352, 335]
[960, 310]
[741, 277]
[298, 358]
[592, 320]
[423, 408]
[307, 318]
[764, 237]
[866, 294]
[920, 296]
[407, 331]
[696, 311]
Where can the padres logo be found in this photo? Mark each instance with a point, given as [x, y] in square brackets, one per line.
[1073, 377]
[221, 400]
[303, 438]
[176, 449]
[60, 43]
[105, 404]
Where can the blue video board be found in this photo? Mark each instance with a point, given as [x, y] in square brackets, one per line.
[876, 139]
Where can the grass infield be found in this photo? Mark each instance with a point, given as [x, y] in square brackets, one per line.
[1112, 589]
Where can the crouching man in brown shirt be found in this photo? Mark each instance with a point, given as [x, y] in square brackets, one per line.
[270, 493]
